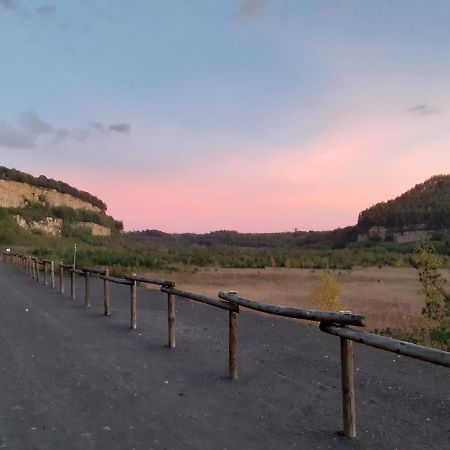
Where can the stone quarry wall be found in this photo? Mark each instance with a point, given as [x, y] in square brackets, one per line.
[17, 195]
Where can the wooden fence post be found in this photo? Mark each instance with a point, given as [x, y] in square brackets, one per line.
[106, 294]
[52, 274]
[72, 285]
[37, 271]
[133, 288]
[171, 319]
[61, 279]
[45, 273]
[348, 388]
[87, 297]
[232, 344]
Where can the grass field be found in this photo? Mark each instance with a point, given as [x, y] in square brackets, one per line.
[388, 297]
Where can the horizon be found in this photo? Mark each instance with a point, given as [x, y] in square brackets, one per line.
[252, 115]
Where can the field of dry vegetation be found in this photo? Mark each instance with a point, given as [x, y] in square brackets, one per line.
[388, 297]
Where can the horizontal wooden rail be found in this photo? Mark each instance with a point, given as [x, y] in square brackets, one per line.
[201, 299]
[150, 280]
[96, 270]
[307, 314]
[78, 271]
[116, 280]
[431, 355]
[67, 266]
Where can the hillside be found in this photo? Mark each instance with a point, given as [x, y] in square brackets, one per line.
[418, 214]
[42, 205]
[46, 186]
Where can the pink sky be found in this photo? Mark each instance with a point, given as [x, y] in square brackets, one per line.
[319, 185]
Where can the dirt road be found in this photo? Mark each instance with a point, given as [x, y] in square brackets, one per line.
[71, 378]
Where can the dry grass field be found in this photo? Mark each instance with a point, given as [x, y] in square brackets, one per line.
[388, 297]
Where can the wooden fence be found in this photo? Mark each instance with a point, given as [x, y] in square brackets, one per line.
[334, 323]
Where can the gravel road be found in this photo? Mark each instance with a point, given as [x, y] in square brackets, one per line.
[72, 379]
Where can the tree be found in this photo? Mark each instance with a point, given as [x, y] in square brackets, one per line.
[437, 301]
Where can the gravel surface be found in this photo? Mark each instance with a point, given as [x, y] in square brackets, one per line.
[71, 378]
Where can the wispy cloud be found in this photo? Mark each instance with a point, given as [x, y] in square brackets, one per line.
[32, 130]
[14, 138]
[34, 124]
[252, 9]
[422, 109]
[120, 127]
[9, 4]
[46, 10]
[15, 6]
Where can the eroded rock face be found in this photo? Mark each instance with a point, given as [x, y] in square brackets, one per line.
[96, 229]
[17, 195]
[411, 235]
[49, 225]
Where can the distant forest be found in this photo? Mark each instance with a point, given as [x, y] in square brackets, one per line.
[49, 183]
[427, 204]
[337, 238]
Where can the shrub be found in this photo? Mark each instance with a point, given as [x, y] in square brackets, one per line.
[327, 292]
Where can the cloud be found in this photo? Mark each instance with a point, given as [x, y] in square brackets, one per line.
[422, 109]
[10, 4]
[32, 130]
[46, 10]
[12, 137]
[120, 127]
[252, 9]
[32, 123]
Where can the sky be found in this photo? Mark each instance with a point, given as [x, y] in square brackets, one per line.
[248, 115]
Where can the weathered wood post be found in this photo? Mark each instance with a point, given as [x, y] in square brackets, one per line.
[61, 278]
[133, 289]
[233, 317]
[171, 319]
[52, 274]
[348, 388]
[87, 297]
[37, 271]
[72, 283]
[106, 294]
[45, 271]
[33, 268]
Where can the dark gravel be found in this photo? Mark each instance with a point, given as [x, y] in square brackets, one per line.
[72, 379]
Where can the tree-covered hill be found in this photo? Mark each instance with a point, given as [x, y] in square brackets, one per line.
[426, 205]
